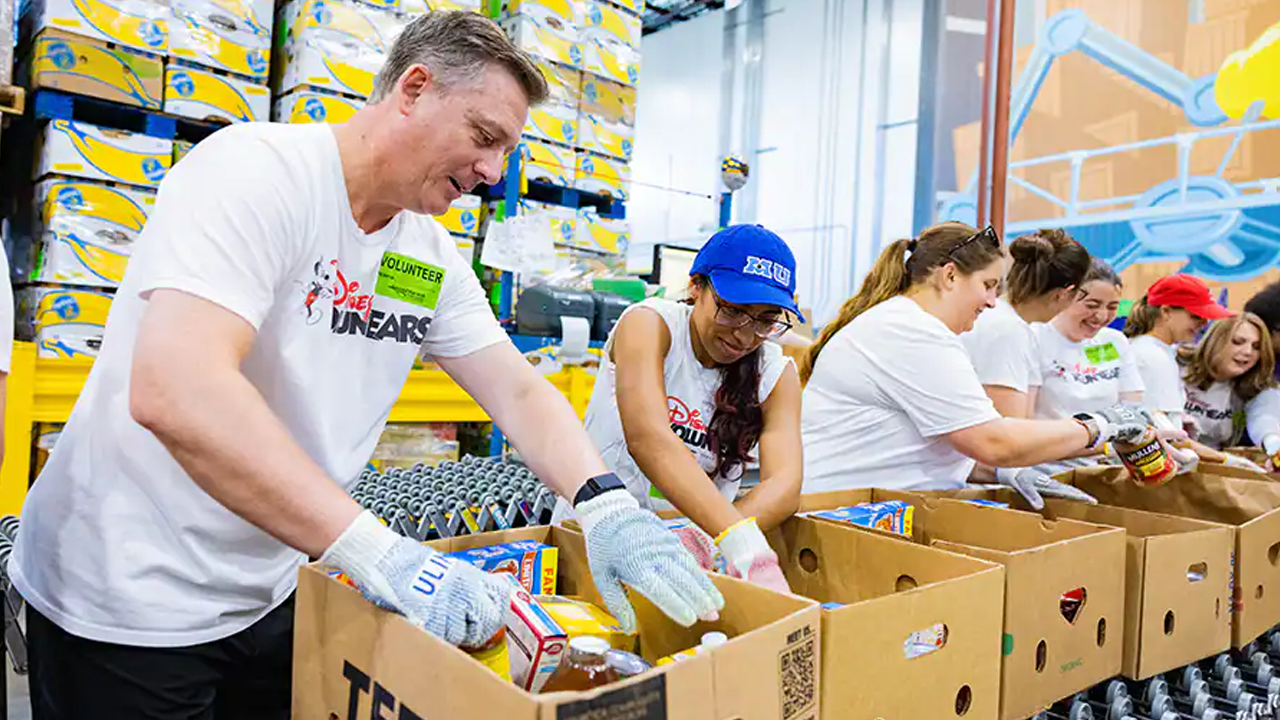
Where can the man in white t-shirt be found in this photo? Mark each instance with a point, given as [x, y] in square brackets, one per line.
[274, 305]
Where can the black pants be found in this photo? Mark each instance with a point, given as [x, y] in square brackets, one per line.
[243, 677]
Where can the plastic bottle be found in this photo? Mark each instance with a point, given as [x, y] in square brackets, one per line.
[1146, 460]
[584, 667]
[709, 640]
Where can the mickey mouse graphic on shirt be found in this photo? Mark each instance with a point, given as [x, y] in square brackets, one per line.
[319, 287]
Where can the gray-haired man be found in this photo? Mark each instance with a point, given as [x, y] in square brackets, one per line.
[274, 305]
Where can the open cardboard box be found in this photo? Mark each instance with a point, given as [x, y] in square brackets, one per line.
[1052, 647]
[353, 660]
[1252, 507]
[920, 628]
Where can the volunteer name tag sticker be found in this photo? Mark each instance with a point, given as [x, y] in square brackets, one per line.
[409, 280]
[1099, 354]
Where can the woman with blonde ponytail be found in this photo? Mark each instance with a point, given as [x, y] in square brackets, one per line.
[892, 400]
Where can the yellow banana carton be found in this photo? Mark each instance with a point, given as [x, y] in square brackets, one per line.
[87, 151]
[565, 83]
[180, 150]
[140, 24]
[314, 106]
[554, 122]
[114, 213]
[334, 45]
[603, 176]
[635, 6]
[229, 38]
[612, 60]
[569, 13]
[563, 221]
[548, 163]
[608, 100]
[466, 247]
[424, 6]
[603, 136]
[76, 259]
[549, 38]
[64, 322]
[601, 234]
[96, 68]
[205, 95]
[602, 21]
[463, 217]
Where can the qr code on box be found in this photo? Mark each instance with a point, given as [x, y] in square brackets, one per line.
[798, 670]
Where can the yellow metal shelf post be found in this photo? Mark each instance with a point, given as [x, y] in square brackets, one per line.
[18, 425]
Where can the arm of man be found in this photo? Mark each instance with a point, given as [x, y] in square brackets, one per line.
[1009, 403]
[777, 496]
[187, 389]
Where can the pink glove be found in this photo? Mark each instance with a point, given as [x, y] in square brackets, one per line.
[748, 556]
[699, 545]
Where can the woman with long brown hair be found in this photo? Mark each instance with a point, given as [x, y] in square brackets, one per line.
[1227, 378]
[691, 390]
[892, 399]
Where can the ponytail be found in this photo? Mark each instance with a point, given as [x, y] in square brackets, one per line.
[1142, 319]
[887, 279]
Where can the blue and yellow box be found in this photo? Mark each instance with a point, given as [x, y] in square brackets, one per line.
[532, 563]
[334, 45]
[463, 217]
[603, 136]
[305, 105]
[466, 248]
[222, 34]
[547, 37]
[81, 150]
[611, 60]
[63, 322]
[203, 94]
[140, 24]
[609, 101]
[556, 13]
[554, 122]
[601, 234]
[635, 6]
[603, 176]
[419, 7]
[548, 163]
[565, 83]
[97, 68]
[180, 149]
[604, 22]
[91, 209]
[75, 258]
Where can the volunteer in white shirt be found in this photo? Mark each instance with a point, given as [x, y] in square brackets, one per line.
[1229, 386]
[692, 390]
[1043, 279]
[6, 340]
[274, 305]
[892, 400]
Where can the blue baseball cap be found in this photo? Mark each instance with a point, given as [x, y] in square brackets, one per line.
[749, 265]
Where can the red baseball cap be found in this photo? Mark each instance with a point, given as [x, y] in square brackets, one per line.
[1186, 292]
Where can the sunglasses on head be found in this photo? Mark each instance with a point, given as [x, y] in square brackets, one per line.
[986, 235]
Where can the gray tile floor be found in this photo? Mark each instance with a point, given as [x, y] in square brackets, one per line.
[19, 700]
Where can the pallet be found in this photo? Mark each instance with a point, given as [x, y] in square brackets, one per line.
[57, 105]
[608, 207]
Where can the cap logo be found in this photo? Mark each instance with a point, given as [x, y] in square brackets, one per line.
[767, 269]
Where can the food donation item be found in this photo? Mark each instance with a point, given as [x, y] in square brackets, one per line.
[893, 516]
[710, 641]
[584, 667]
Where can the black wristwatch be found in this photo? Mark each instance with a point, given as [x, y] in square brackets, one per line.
[1090, 424]
[597, 486]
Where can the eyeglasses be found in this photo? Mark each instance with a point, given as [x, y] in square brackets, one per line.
[986, 235]
[735, 317]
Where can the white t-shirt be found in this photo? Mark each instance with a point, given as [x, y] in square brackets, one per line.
[1082, 377]
[691, 401]
[1003, 349]
[118, 544]
[1157, 365]
[1218, 413]
[884, 391]
[6, 316]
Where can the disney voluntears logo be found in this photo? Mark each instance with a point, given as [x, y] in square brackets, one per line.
[687, 424]
[765, 268]
[400, 278]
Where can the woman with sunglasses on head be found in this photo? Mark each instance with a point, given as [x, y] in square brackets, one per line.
[892, 399]
[692, 389]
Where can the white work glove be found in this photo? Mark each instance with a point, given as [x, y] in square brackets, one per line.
[1031, 484]
[626, 544]
[748, 556]
[451, 599]
[1187, 460]
[1236, 461]
[1122, 422]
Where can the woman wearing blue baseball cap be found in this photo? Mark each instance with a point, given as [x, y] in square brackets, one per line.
[691, 390]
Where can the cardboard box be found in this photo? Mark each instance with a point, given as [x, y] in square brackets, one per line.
[1251, 507]
[463, 217]
[85, 66]
[603, 176]
[91, 209]
[611, 60]
[304, 105]
[917, 632]
[553, 122]
[336, 46]
[81, 150]
[63, 322]
[207, 95]
[605, 137]
[75, 259]
[565, 83]
[466, 247]
[139, 24]
[609, 101]
[549, 38]
[425, 6]
[548, 163]
[1054, 645]
[555, 13]
[349, 654]
[607, 235]
[180, 149]
[222, 34]
[610, 24]
[635, 6]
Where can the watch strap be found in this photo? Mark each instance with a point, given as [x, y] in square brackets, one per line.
[597, 486]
